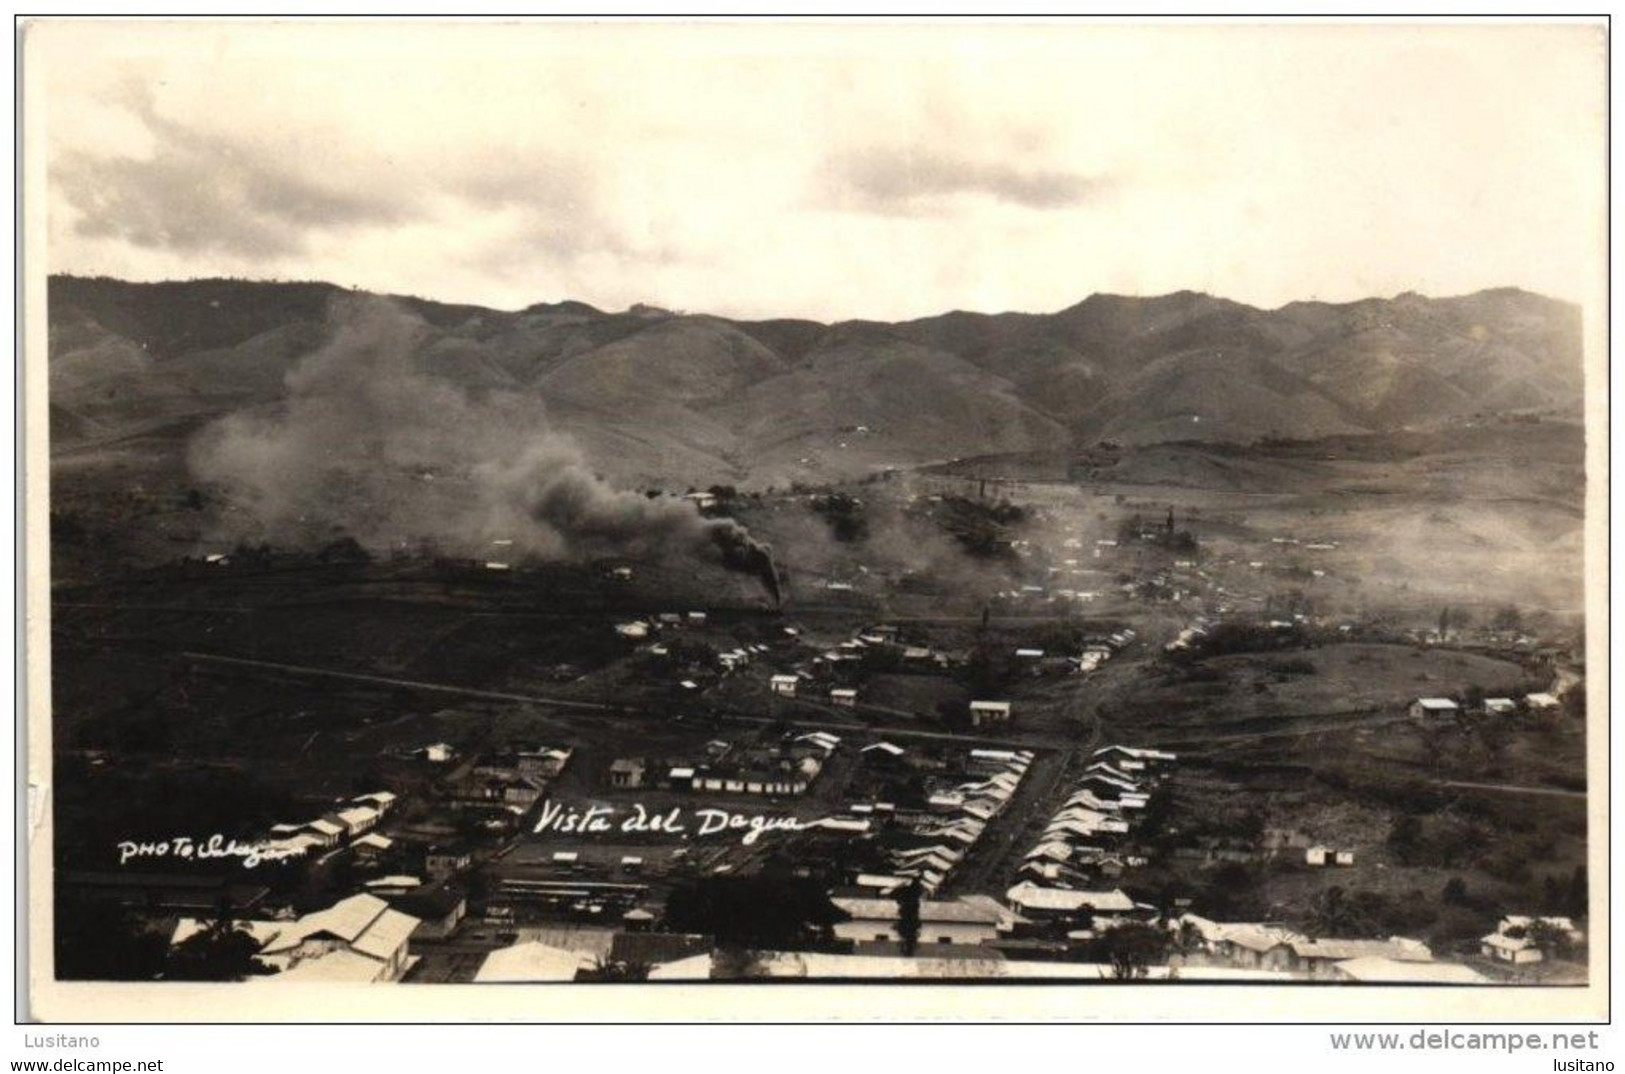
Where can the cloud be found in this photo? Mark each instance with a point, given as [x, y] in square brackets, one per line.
[732, 170]
[199, 191]
[546, 207]
[188, 190]
[911, 182]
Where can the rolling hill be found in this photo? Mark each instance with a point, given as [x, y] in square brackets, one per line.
[660, 397]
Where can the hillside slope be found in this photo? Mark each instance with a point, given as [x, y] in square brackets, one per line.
[658, 397]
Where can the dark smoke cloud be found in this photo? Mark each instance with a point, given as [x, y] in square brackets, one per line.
[371, 443]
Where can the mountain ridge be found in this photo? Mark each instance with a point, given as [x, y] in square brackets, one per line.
[660, 396]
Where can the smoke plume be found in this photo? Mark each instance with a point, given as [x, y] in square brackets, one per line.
[373, 444]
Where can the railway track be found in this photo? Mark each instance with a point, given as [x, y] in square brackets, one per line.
[603, 710]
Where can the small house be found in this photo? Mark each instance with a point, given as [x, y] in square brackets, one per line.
[882, 753]
[395, 884]
[523, 791]
[845, 697]
[326, 832]
[356, 820]
[542, 762]
[382, 801]
[783, 685]
[983, 713]
[1515, 950]
[626, 773]
[439, 911]
[440, 862]
[1434, 708]
[372, 847]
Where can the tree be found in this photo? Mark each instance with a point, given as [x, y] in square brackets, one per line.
[222, 950]
[733, 963]
[1455, 892]
[1551, 940]
[1552, 895]
[1507, 618]
[1331, 914]
[1405, 837]
[1496, 736]
[1133, 948]
[1187, 939]
[765, 911]
[954, 713]
[1452, 619]
[908, 917]
[1578, 905]
[1232, 892]
[605, 968]
[344, 549]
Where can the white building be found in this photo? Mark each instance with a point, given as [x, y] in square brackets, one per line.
[983, 713]
[1034, 900]
[1517, 950]
[357, 939]
[968, 920]
[1434, 708]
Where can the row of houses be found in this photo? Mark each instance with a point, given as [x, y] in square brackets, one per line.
[1446, 708]
[359, 940]
[927, 845]
[968, 920]
[1263, 946]
[638, 629]
[512, 780]
[824, 672]
[351, 820]
[1076, 847]
[1095, 652]
[1092, 656]
[958, 816]
[783, 769]
[791, 685]
[1190, 635]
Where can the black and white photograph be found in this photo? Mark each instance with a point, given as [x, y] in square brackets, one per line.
[1103, 504]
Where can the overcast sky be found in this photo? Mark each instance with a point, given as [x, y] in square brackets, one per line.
[829, 172]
